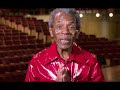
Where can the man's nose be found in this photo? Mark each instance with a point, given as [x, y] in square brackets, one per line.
[65, 30]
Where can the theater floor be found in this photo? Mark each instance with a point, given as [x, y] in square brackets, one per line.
[112, 74]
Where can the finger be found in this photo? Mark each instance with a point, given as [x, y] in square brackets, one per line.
[61, 71]
[61, 65]
[60, 78]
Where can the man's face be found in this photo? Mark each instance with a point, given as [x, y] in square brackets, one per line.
[64, 30]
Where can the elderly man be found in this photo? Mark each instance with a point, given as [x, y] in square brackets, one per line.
[64, 61]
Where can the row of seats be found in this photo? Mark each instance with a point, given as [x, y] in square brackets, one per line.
[100, 46]
[12, 67]
[16, 42]
[16, 37]
[17, 76]
[16, 50]
[32, 26]
[19, 52]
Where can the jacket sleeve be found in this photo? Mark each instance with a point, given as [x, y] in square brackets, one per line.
[32, 73]
[96, 74]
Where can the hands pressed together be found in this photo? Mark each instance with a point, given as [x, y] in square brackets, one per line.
[62, 74]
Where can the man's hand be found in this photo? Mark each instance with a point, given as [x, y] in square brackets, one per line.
[62, 75]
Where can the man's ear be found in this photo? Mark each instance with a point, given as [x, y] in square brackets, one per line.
[51, 33]
[77, 33]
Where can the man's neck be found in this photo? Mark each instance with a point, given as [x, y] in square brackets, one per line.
[64, 53]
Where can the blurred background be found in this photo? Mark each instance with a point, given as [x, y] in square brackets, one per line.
[24, 32]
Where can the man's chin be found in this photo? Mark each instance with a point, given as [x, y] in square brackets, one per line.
[65, 47]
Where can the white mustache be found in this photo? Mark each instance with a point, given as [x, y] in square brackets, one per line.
[65, 37]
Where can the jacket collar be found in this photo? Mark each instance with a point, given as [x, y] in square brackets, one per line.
[76, 55]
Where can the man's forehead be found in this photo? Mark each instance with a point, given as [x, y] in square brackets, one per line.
[62, 15]
[58, 14]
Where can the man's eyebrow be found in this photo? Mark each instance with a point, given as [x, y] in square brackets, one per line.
[58, 22]
[72, 21]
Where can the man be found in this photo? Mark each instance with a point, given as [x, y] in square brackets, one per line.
[64, 61]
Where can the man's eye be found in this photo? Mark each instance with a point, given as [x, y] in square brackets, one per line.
[72, 27]
[59, 27]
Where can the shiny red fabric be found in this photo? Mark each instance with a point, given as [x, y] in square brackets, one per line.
[82, 66]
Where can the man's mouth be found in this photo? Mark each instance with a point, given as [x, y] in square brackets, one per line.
[65, 41]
